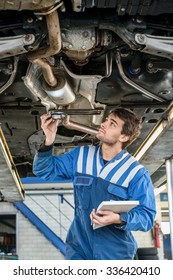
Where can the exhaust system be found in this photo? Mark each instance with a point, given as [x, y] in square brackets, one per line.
[57, 88]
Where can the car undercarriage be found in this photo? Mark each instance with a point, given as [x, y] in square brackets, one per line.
[78, 59]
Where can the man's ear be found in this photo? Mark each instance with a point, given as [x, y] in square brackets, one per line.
[124, 138]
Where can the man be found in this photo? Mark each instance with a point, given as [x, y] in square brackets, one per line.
[103, 172]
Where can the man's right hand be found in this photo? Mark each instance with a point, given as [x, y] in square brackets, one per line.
[49, 126]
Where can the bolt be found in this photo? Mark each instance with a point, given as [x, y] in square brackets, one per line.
[139, 19]
[63, 34]
[28, 39]
[150, 65]
[30, 20]
[85, 34]
[10, 66]
[140, 38]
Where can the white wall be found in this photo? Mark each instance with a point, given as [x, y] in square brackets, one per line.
[31, 244]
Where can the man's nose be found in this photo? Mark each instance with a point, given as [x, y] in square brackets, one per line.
[103, 124]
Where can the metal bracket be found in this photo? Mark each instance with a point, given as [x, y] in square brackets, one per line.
[156, 45]
[11, 46]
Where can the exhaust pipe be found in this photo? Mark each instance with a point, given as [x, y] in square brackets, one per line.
[76, 126]
[54, 47]
[58, 89]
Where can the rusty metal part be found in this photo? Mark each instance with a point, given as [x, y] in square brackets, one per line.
[47, 72]
[54, 47]
[20, 5]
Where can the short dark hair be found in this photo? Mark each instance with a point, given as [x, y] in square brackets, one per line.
[132, 123]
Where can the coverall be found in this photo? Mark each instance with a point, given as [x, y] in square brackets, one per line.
[122, 178]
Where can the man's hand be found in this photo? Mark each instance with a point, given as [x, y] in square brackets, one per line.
[49, 127]
[104, 217]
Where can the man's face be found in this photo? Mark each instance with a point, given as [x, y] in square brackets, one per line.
[110, 131]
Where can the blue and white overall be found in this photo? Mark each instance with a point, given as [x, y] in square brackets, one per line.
[122, 178]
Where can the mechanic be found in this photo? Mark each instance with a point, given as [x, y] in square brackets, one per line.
[102, 172]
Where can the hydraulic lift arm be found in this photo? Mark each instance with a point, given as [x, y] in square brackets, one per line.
[11, 188]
